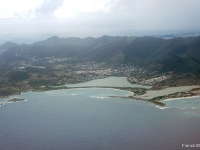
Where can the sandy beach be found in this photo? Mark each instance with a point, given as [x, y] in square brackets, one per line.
[155, 93]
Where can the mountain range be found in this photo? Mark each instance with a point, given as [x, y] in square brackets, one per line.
[180, 54]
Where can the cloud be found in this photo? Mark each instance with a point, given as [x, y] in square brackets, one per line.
[70, 8]
[52, 8]
[48, 7]
[99, 17]
[19, 8]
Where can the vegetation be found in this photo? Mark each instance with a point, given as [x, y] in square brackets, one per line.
[17, 76]
[180, 80]
[39, 82]
[8, 91]
[179, 55]
[20, 65]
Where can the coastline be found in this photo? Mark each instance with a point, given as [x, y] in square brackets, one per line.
[136, 93]
[159, 100]
[178, 98]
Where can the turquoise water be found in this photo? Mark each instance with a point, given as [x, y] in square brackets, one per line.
[88, 119]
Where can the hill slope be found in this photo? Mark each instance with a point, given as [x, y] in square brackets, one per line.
[178, 54]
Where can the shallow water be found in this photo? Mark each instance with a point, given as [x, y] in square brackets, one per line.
[109, 82]
[89, 119]
[154, 93]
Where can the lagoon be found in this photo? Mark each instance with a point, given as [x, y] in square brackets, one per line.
[89, 119]
[154, 93]
[109, 82]
[122, 82]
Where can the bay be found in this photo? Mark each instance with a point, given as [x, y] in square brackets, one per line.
[89, 119]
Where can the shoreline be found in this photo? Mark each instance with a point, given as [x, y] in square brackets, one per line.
[135, 94]
[178, 98]
[111, 81]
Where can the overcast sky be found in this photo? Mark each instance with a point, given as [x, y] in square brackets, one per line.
[27, 20]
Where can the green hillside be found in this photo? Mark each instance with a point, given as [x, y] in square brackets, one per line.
[178, 54]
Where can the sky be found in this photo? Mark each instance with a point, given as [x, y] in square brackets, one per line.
[26, 21]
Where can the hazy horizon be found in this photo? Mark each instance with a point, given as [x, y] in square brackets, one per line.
[31, 39]
[27, 21]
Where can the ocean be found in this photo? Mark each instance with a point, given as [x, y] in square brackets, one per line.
[88, 119]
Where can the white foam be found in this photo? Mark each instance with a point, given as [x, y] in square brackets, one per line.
[183, 108]
[193, 107]
[164, 107]
[100, 97]
[161, 107]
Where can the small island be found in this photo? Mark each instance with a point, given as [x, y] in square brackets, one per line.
[15, 100]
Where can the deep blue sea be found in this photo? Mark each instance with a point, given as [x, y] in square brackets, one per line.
[87, 119]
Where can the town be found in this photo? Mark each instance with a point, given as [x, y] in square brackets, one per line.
[39, 74]
[89, 70]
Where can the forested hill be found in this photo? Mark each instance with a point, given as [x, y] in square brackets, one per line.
[177, 54]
